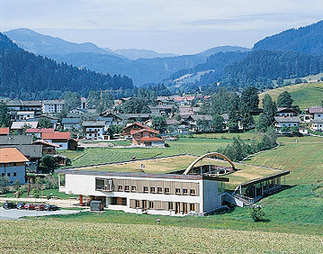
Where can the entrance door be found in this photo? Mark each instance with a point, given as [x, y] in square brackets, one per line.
[177, 207]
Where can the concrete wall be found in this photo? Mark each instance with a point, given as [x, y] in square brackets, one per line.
[211, 199]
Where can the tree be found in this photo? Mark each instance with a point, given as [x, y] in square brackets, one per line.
[263, 123]
[246, 118]
[72, 100]
[44, 123]
[159, 123]
[270, 108]
[48, 163]
[4, 115]
[249, 98]
[93, 99]
[135, 105]
[285, 100]
[218, 123]
[256, 213]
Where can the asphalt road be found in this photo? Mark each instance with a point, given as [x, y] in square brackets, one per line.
[14, 214]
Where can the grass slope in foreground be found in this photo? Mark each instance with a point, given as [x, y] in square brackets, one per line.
[62, 237]
[304, 95]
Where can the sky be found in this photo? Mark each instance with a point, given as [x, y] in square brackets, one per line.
[174, 26]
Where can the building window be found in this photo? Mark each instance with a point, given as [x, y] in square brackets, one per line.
[119, 187]
[137, 204]
[152, 189]
[170, 205]
[145, 189]
[151, 204]
[127, 188]
[133, 188]
[159, 190]
[3, 174]
[178, 191]
[192, 207]
[185, 192]
[103, 184]
[15, 174]
[8, 174]
[192, 192]
[166, 190]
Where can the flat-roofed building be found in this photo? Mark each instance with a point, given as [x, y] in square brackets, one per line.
[52, 106]
[13, 165]
[164, 194]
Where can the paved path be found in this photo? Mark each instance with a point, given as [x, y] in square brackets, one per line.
[14, 214]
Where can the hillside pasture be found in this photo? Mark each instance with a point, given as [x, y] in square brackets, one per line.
[304, 95]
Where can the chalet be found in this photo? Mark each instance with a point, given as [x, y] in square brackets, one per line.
[286, 112]
[201, 123]
[143, 135]
[4, 131]
[317, 125]
[94, 130]
[289, 122]
[111, 119]
[15, 106]
[70, 123]
[38, 132]
[142, 117]
[316, 112]
[52, 106]
[13, 165]
[19, 126]
[62, 139]
[164, 110]
[47, 148]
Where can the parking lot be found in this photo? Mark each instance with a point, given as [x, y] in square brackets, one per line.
[14, 214]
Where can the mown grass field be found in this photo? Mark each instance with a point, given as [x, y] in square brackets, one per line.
[195, 146]
[75, 237]
[304, 95]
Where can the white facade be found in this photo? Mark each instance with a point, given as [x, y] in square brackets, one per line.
[12, 172]
[25, 115]
[205, 200]
[94, 132]
[52, 106]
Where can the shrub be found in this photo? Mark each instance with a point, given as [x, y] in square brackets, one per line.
[256, 213]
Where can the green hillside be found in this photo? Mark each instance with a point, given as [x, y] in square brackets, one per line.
[304, 95]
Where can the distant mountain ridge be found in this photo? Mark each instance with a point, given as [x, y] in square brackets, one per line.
[305, 40]
[135, 54]
[88, 55]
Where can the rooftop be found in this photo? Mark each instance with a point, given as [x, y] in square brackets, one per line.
[4, 131]
[282, 119]
[21, 125]
[16, 140]
[93, 123]
[8, 155]
[56, 135]
[43, 130]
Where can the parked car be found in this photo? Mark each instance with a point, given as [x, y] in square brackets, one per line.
[8, 206]
[51, 208]
[29, 206]
[40, 207]
[20, 206]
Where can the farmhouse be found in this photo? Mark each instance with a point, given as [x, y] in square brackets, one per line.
[62, 139]
[286, 112]
[287, 122]
[162, 186]
[13, 165]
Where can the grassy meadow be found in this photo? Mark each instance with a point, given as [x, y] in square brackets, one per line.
[304, 95]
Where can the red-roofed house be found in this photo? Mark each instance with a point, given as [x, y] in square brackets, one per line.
[143, 135]
[13, 164]
[38, 132]
[62, 139]
[4, 131]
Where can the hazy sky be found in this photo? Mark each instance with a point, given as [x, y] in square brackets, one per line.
[177, 26]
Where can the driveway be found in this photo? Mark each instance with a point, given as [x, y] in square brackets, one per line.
[14, 214]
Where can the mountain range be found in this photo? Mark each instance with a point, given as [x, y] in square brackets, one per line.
[143, 66]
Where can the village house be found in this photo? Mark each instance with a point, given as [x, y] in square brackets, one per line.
[37, 133]
[316, 112]
[317, 125]
[94, 130]
[142, 135]
[4, 131]
[201, 123]
[288, 122]
[13, 165]
[32, 107]
[52, 106]
[62, 139]
[47, 148]
[20, 126]
[70, 123]
[286, 112]
[141, 117]
[111, 119]
[164, 110]
[24, 115]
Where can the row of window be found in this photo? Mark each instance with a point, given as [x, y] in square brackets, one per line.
[172, 206]
[9, 164]
[158, 190]
[9, 174]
